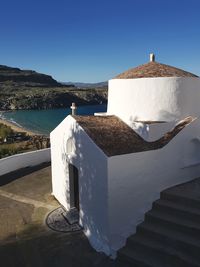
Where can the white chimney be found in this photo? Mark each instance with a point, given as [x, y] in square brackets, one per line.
[152, 57]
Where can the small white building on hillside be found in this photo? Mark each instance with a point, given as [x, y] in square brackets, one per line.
[112, 167]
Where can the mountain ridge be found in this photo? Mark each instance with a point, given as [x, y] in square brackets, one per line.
[17, 75]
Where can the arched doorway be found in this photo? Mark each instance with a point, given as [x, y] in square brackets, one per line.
[73, 187]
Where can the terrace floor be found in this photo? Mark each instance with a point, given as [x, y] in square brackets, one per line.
[25, 240]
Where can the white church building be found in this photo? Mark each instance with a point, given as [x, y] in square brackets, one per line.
[112, 166]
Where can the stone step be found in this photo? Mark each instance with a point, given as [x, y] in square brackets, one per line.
[72, 215]
[185, 200]
[170, 237]
[177, 209]
[170, 234]
[138, 258]
[176, 223]
[170, 254]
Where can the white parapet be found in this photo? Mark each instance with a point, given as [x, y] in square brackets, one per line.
[23, 160]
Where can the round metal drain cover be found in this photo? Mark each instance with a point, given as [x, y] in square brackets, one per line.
[58, 222]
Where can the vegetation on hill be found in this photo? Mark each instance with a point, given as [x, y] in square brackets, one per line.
[5, 131]
[12, 142]
[47, 98]
[31, 90]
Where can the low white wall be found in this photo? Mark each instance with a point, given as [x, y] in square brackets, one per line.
[23, 160]
[136, 180]
[160, 99]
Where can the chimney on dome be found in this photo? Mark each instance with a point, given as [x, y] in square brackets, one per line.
[152, 57]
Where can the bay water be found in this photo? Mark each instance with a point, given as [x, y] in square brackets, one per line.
[44, 121]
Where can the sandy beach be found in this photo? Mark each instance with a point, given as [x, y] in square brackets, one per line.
[17, 128]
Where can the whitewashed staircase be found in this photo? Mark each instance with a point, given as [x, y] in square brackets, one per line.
[170, 233]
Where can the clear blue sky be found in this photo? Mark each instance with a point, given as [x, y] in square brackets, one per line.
[94, 40]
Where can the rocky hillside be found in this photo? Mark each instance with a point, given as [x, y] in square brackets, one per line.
[26, 77]
[51, 99]
[26, 89]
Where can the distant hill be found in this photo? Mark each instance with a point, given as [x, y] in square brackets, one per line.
[26, 77]
[87, 85]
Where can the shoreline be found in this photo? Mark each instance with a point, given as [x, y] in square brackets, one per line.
[17, 128]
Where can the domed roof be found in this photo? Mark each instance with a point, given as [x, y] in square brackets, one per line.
[154, 69]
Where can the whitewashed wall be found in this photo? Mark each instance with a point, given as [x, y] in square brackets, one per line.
[23, 160]
[154, 131]
[157, 130]
[92, 168]
[136, 180]
[161, 99]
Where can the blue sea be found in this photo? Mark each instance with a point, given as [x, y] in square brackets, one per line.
[44, 121]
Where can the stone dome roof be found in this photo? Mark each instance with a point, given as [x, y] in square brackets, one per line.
[154, 69]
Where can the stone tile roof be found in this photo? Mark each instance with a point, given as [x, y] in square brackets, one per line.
[114, 137]
[154, 69]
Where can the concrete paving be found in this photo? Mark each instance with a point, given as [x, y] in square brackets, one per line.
[25, 240]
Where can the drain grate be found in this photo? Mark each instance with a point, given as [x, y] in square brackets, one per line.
[57, 221]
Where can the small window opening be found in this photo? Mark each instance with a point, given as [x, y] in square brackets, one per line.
[70, 145]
